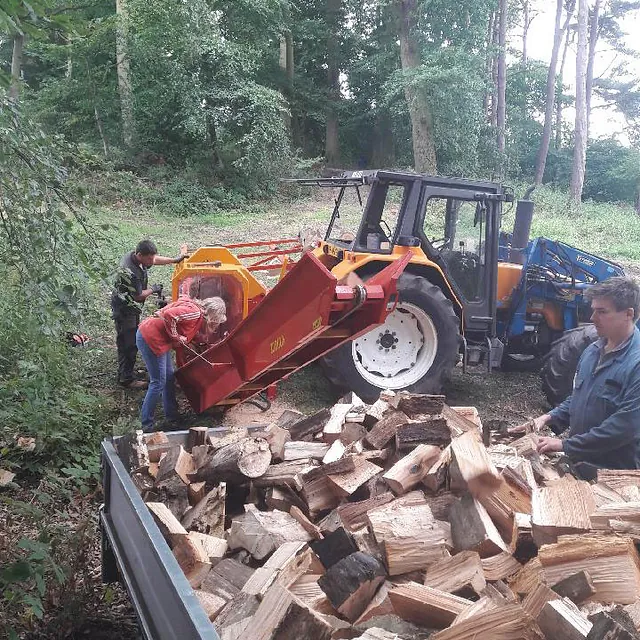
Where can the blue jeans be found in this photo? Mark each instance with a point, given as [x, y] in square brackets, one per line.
[161, 383]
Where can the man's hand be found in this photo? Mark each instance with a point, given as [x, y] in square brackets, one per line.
[184, 253]
[156, 288]
[549, 445]
[530, 426]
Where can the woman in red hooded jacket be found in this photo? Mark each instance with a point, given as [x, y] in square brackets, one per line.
[177, 323]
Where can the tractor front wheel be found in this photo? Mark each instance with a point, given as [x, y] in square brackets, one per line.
[415, 349]
[562, 361]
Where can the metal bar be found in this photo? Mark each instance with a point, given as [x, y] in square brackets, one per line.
[262, 243]
[277, 252]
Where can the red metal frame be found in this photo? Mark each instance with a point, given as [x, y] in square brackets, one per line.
[274, 251]
[303, 317]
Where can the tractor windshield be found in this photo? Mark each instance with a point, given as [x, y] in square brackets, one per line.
[455, 228]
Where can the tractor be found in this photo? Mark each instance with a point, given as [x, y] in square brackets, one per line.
[470, 292]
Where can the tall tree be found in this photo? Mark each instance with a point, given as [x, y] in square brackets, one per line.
[332, 141]
[593, 43]
[580, 131]
[559, 90]
[16, 66]
[124, 72]
[502, 84]
[543, 151]
[424, 148]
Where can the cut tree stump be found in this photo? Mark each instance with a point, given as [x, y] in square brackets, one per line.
[351, 583]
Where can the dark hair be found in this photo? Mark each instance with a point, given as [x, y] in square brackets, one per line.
[147, 248]
[624, 293]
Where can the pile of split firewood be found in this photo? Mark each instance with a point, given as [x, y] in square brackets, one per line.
[392, 521]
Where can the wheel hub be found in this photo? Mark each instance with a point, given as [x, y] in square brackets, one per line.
[400, 352]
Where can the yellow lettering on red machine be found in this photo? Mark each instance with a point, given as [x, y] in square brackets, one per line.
[317, 323]
[277, 344]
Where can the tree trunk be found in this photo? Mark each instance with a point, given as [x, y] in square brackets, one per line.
[383, 153]
[558, 125]
[122, 68]
[493, 117]
[16, 67]
[502, 85]
[332, 143]
[580, 135]
[593, 41]
[424, 148]
[525, 33]
[284, 55]
[486, 103]
[551, 82]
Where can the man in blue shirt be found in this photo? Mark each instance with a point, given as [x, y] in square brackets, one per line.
[603, 411]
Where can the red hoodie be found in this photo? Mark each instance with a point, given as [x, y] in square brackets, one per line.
[163, 329]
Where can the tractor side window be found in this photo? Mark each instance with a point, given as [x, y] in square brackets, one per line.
[384, 208]
[456, 229]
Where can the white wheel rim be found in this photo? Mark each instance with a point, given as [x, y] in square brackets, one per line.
[400, 352]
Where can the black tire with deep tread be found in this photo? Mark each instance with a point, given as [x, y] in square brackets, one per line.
[340, 368]
[562, 361]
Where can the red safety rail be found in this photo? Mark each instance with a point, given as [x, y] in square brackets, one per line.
[266, 251]
[303, 317]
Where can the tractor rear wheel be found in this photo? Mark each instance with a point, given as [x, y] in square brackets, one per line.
[562, 361]
[415, 349]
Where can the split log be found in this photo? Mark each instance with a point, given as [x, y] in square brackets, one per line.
[351, 583]
[411, 469]
[352, 432]
[612, 625]
[319, 495]
[461, 574]
[219, 586]
[577, 587]
[458, 423]
[193, 560]
[500, 567]
[211, 604]
[633, 610]
[281, 616]
[344, 484]
[308, 591]
[436, 477]
[385, 429]
[425, 606]
[333, 427]
[418, 404]
[249, 458]
[196, 491]
[336, 451]
[409, 534]
[234, 572]
[334, 547]
[168, 524]
[612, 562]
[289, 417]
[215, 548]
[560, 619]
[366, 542]
[431, 430]
[157, 445]
[528, 577]
[378, 410]
[308, 426]
[338, 466]
[478, 608]
[196, 437]
[473, 530]
[298, 515]
[620, 511]
[176, 462]
[508, 622]
[302, 450]
[537, 598]
[522, 545]
[235, 616]
[232, 437]
[380, 605]
[287, 474]
[477, 470]
[277, 437]
[617, 479]
[354, 514]
[208, 515]
[173, 492]
[560, 509]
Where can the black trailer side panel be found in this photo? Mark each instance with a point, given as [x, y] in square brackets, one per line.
[161, 595]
